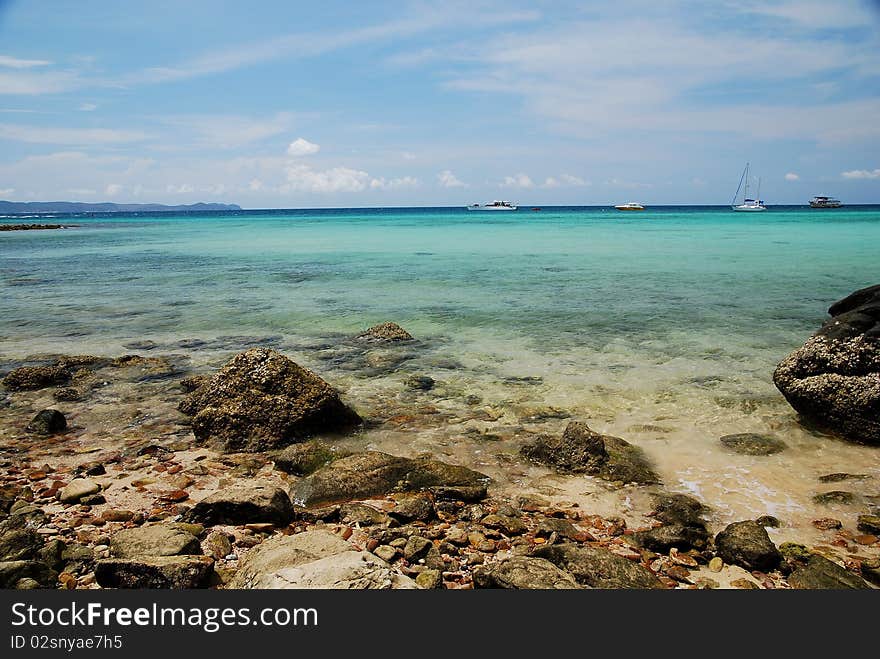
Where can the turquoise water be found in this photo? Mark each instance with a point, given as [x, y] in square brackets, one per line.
[662, 327]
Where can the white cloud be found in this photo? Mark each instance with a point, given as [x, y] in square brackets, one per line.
[551, 182]
[575, 181]
[861, 174]
[449, 180]
[5, 192]
[37, 82]
[83, 136]
[87, 107]
[16, 63]
[791, 176]
[303, 178]
[518, 181]
[183, 188]
[302, 147]
[391, 184]
[112, 189]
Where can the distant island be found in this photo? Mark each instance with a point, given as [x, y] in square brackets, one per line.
[105, 207]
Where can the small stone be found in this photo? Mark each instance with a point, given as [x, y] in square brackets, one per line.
[679, 573]
[77, 489]
[429, 579]
[218, 545]
[716, 564]
[827, 524]
[387, 332]
[93, 500]
[48, 422]
[457, 536]
[835, 496]
[386, 552]
[117, 515]
[744, 584]
[480, 542]
[768, 521]
[753, 444]
[421, 383]
[866, 539]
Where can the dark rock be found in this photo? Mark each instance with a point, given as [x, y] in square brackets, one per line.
[747, 544]
[176, 572]
[524, 572]
[820, 573]
[155, 540]
[93, 500]
[371, 473]
[598, 567]
[243, 504]
[547, 526]
[869, 524]
[768, 521]
[12, 572]
[834, 497]
[420, 382]
[28, 378]
[679, 509]
[415, 508]
[386, 332]
[840, 477]
[833, 380]
[580, 450]
[67, 395]
[749, 443]
[303, 459]
[679, 536]
[362, 514]
[262, 400]
[17, 541]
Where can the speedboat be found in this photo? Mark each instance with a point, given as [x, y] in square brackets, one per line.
[631, 206]
[748, 204]
[825, 202]
[494, 206]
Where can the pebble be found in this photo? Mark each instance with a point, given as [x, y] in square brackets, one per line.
[716, 564]
[744, 584]
[386, 552]
[77, 489]
[866, 539]
[827, 523]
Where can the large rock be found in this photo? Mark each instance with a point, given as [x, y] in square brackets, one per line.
[14, 572]
[175, 572]
[580, 450]
[524, 573]
[286, 551]
[371, 473]
[28, 378]
[747, 544]
[77, 489]
[386, 332]
[598, 567]
[243, 504]
[48, 422]
[820, 573]
[155, 540]
[303, 459]
[262, 400]
[347, 571]
[833, 380]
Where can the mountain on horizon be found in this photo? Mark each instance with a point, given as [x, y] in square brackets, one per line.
[105, 207]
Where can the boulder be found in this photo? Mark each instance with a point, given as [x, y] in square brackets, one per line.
[387, 333]
[243, 504]
[14, 572]
[747, 544]
[669, 536]
[29, 378]
[420, 382]
[349, 570]
[679, 509]
[833, 380]
[48, 422]
[154, 540]
[820, 573]
[580, 450]
[598, 567]
[18, 541]
[77, 489]
[262, 400]
[175, 572]
[869, 524]
[524, 572]
[303, 459]
[749, 443]
[370, 473]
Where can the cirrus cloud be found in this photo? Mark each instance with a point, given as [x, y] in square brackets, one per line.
[858, 174]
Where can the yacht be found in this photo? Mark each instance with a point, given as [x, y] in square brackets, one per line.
[748, 204]
[631, 206]
[825, 202]
[494, 206]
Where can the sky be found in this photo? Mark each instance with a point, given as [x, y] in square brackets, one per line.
[285, 104]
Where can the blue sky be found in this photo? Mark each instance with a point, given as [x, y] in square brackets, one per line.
[300, 104]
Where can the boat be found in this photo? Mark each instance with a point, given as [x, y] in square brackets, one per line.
[631, 206]
[748, 204]
[494, 206]
[821, 201]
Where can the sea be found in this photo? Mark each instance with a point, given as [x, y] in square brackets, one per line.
[662, 327]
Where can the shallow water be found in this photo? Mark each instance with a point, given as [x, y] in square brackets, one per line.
[661, 327]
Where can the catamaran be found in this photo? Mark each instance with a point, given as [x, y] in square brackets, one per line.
[494, 206]
[821, 201]
[748, 204]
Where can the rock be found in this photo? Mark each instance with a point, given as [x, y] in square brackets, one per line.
[67, 395]
[386, 332]
[413, 508]
[14, 572]
[429, 579]
[218, 545]
[262, 400]
[820, 573]
[833, 380]
[869, 524]
[678, 509]
[580, 450]
[93, 500]
[417, 548]
[48, 422]
[29, 378]
[77, 489]
[243, 504]
[745, 584]
[669, 536]
[547, 526]
[834, 497]
[598, 567]
[840, 477]
[827, 524]
[359, 513]
[749, 443]
[17, 541]
[769, 521]
[747, 544]
[349, 570]
[306, 458]
[153, 540]
[420, 382]
[369, 474]
[524, 572]
[716, 564]
[175, 572]
[386, 552]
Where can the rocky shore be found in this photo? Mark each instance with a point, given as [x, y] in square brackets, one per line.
[30, 227]
[140, 472]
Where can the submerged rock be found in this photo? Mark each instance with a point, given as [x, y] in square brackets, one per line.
[749, 443]
[581, 450]
[306, 458]
[598, 567]
[833, 380]
[747, 544]
[28, 378]
[262, 400]
[176, 572]
[48, 422]
[243, 504]
[368, 474]
[386, 332]
[820, 573]
[524, 572]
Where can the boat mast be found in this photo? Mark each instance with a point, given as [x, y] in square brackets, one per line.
[758, 197]
[741, 179]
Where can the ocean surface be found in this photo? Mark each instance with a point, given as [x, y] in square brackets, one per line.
[662, 327]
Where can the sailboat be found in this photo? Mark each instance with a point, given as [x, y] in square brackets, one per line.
[748, 204]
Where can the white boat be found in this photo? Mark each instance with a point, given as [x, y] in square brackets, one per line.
[748, 204]
[820, 201]
[494, 206]
[631, 206]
